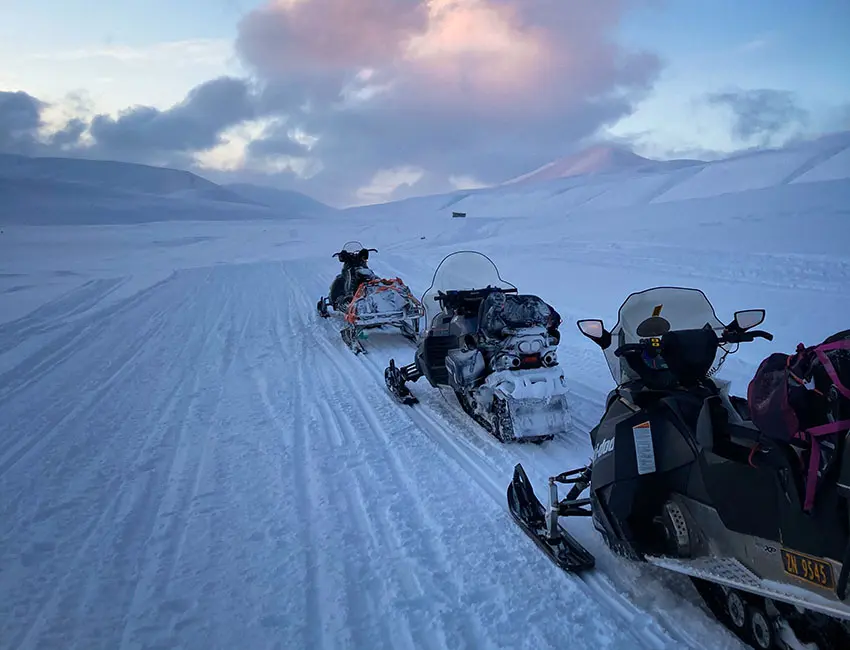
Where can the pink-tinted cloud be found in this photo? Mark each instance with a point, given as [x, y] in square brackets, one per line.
[483, 88]
[290, 35]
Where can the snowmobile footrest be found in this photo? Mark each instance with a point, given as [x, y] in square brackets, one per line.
[729, 572]
[395, 378]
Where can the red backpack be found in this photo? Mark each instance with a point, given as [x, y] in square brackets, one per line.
[785, 409]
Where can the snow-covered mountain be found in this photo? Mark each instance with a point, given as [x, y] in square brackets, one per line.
[760, 177]
[599, 159]
[281, 199]
[81, 191]
[91, 175]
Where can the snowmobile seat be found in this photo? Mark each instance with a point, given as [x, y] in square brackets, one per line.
[715, 433]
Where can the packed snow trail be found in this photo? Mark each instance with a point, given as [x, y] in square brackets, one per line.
[205, 464]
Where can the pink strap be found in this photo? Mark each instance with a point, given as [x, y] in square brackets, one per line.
[812, 477]
[814, 457]
[827, 364]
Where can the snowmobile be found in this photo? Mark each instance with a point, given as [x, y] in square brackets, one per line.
[494, 347]
[367, 301]
[681, 477]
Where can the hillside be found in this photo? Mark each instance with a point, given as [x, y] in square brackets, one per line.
[599, 159]
[280, 199]
[625, 182]
[115, 176]
[42, 191]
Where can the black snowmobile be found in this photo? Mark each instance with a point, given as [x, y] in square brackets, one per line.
[367, 301]
[495, 348]
[683, 478]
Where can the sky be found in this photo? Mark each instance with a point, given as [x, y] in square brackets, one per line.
[360, 101]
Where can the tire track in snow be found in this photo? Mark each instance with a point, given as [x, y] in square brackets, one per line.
[167, 532]
[125, 512]
[375, 453]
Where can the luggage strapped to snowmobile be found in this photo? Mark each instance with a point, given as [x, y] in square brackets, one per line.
[784, 409]
[355, 317]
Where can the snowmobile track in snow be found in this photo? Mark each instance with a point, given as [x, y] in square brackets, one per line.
[205, 464]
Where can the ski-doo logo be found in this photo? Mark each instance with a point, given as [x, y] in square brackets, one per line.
[603, 448]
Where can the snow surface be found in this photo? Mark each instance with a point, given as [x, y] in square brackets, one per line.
[190, 457]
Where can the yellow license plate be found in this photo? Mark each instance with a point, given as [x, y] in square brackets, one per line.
[809, 569]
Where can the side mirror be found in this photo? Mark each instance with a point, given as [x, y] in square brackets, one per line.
[593, 329]
[748, 318]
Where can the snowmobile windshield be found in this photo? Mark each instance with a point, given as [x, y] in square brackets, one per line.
[681, 308]
[352, 247]
[460, 271]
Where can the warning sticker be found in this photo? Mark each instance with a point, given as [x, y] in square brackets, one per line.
[644, 449]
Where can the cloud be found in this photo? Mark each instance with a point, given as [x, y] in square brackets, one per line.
[761, 114]
[457, 88]
[147, 134]
[20, 120]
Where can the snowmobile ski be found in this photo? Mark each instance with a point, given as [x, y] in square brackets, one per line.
[561, 547]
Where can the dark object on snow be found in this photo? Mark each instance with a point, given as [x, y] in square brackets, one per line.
[456, 215]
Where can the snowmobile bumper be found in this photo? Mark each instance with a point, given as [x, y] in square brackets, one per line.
[541, 524]
[536, 401]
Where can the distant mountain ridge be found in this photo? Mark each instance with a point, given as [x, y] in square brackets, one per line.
[78, 190]
[599, 159]
[120, 176]
[273, 198]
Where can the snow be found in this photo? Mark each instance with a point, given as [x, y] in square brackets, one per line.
[190, 457]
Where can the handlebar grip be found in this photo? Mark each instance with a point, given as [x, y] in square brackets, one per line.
[761, 334]
[629, 347]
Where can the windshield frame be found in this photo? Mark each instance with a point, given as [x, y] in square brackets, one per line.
[618, 366]
[455, 260]
[352, 250]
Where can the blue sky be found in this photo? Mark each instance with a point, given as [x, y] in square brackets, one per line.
[153, 52]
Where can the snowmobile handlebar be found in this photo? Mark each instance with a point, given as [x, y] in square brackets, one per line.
[745, 337]
[469, 294]
[728, 336]
[368, 250]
